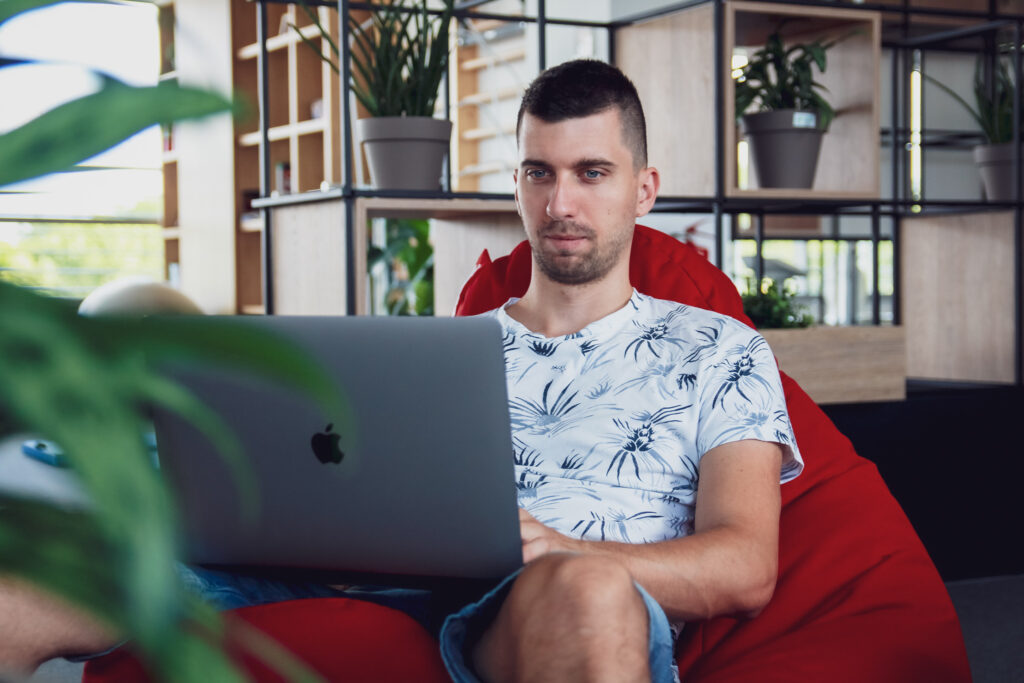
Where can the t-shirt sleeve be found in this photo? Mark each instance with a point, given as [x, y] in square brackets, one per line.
[741, 398]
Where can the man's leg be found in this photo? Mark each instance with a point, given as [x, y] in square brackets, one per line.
[36, 627]
[567, 618]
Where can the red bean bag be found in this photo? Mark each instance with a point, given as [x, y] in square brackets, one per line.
[343, 640]
[858, 599]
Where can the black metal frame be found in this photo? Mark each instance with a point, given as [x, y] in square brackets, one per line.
[896, 207]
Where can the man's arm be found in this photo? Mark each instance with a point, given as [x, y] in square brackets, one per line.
[730, 563]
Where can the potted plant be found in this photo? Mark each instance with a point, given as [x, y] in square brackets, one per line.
[399, 56]
[832, 363]
[85, 382]
[790, 115]
[773, 308]
[994, 114]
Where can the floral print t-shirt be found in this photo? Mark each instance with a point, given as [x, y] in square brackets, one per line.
[609, 424]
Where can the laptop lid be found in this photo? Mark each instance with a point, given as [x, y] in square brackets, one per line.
[417, 479]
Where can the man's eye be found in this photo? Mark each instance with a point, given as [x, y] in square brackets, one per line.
[536, 173]
[592, 174]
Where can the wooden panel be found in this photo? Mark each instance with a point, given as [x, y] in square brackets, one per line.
[457, 246]
[309, 259]
[170, 176]
[843, 364]
[669, 60]
[850, 150]
[957, 296]
[465, 153]
[248, 270]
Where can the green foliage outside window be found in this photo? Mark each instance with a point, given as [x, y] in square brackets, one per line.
[72, 259]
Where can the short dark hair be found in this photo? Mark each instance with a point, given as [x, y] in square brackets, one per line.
[583, 87]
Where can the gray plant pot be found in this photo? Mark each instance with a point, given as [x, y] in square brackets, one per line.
[995, 164]
[405, 152]
[784, 147]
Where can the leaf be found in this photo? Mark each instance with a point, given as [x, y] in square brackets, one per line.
[82, 128]
[314, 47]
[12, 8]
[949, 91]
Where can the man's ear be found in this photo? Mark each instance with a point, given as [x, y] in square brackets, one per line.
[647, 192]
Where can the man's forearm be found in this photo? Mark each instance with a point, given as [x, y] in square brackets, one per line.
[716, 572]
[728, 565]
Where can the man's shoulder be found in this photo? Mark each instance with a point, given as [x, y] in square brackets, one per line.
[687, 315]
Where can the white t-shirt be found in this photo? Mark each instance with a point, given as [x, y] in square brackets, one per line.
[609, 424]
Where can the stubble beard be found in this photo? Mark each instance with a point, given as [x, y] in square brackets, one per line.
[585, 268]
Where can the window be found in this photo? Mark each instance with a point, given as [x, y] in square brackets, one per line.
[70, 232]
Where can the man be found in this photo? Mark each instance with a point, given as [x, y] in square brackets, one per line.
[620, 405]
[609, 449]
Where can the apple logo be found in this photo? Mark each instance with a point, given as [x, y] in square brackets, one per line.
[326, 446]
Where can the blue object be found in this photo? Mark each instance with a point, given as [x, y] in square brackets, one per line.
[44, 451]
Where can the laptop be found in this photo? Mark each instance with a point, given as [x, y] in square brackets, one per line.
[414, 484]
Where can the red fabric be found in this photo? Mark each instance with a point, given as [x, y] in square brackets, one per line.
[858, 599]
[343, 640]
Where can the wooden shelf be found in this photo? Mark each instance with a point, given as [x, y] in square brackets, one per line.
[250, 223]
[284, 132]
[514, 54]
[279, 42]
[849, 163]
[488, 133]
[171, 233]
[479, 98]
[253, 309]
[309, 246]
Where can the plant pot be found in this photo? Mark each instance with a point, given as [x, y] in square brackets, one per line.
[995, 164]
[405, 152]
[784, 146]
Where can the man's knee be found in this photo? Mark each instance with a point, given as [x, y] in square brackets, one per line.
[585, 607]
[583, 584]
[35, 627]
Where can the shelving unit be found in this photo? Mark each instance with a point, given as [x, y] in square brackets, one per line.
[697, 159]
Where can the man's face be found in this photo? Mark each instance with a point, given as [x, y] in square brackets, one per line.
[579, 194]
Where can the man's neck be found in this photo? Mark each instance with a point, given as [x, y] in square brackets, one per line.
[552, 309]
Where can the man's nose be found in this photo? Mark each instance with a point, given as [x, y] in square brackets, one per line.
[563, 202]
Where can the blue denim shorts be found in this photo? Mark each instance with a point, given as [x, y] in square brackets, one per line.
[441, 615]
[468, 623]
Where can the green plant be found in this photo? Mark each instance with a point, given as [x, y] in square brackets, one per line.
[994, 105]
[776, 77]
[398, 57]
[85, 383]
[771, 307]
[409, 258]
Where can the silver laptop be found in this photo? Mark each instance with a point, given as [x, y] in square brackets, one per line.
[416, 480]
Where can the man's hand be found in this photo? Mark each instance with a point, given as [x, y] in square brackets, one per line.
[540, 540]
